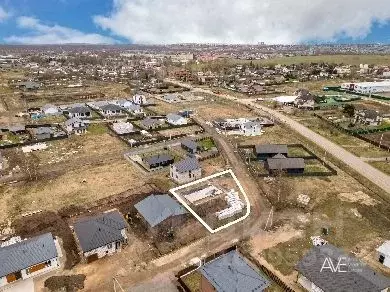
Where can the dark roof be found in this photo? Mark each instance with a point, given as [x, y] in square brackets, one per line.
[158, 158]
[156, 208]
[187, 164]
[148, 122]
[42, 130]
[190, 144]
[369, 114]
[232, 273]
[285, 163]
[359, 277]
[271, 148]
[27, 253]
[111, 107]
[79, 110]
[97, 231]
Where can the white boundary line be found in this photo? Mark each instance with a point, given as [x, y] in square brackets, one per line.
[180, 199]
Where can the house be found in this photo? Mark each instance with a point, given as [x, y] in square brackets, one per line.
[190, 146]
[265, 151]
[251, 128]
[368, 117]
[139, 99]
[81, 112]
[186, 170]
[327, 268]
[100, 235]
[123, 103]
[50, 110]
[282, 163]
[75, 126]
[28, 258]
[171, 98]
[111, 110]
[160, 211]
[176, 120]
[42, 133]
[231, 272]
[28, 85]
[17, 129]
[122, 128]
[150, 124]
[135, 109]
[384, 253]
[305, 99]
[157, 161]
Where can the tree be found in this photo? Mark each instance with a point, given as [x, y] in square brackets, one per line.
[349, 109]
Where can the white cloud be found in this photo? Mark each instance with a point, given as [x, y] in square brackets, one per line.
[3, 14]
[242, 21]
[39, 33]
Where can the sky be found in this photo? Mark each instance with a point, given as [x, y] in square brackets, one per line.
[194, 21]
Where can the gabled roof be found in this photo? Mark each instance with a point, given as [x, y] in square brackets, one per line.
[359, 277]
[231, 273]
[158, 158]
[187, 164]
[271, 148]
[27, 253]
[174, 117]
[73, 121]
[148, 122]
[190, 144]
[42, 130]
[79, 110]
[97, 231]
[384, 248]
[110, 107]
[280, 163]
[157, 208]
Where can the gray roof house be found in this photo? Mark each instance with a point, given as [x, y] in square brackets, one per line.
[231, 273]
[149, 123]
[79, 111]
[158, 160]
[190, 145]
[186, 170]
[97, 235]
[41, 133]
[175, 119]
[282, 163]
[27, 258]
[157, 208]
[272, 149]
[111, 109]
[316, 272]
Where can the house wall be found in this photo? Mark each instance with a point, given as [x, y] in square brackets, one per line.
[104, 250]
[54, 263]
[387, 259]
[185, 177]
[307, 284]
[205, 285]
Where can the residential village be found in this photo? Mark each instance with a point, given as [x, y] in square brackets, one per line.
[167, 169]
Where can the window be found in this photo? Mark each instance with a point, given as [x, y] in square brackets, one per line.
[109, 245]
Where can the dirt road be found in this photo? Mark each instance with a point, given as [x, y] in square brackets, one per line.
[377, 177]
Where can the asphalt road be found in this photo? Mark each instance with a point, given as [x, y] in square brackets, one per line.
[377, 177]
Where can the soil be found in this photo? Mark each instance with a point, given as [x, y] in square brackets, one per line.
[68, 283]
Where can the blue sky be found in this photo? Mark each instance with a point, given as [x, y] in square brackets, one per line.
[175, 21]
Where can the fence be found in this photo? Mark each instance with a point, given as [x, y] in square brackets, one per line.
[375, 96]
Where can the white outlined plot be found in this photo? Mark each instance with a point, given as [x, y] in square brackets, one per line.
[179, 197]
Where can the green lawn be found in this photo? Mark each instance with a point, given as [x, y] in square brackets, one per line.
[97, 129]
[207, 143]
[193, 281]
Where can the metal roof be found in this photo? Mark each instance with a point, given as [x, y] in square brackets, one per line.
[285, 163]
[78, 110]
[271, 148]
[190, 144]
[157, 208]
[27, 253]
[158, 159]
[174, 117]
[232, 273]
[187, 164]
[97, 231]
[110, 107]
[359, 277]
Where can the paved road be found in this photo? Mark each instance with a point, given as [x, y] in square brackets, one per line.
[374, 175]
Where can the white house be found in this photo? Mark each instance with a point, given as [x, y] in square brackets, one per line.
[75, 126]
[367, 87]
[384, 253]
[101, 235]
[251, 129]
[176, 120]
[139, 99]
[28, 258]
[186, 170]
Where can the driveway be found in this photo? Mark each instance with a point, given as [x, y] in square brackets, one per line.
[22, 286]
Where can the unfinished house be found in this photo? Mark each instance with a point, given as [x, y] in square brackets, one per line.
[176, 120]
[186, 170]
[280, 163]
[123, 128]
[75, 126]
[319, 270]
[368, 117]
[101, 235]
[160, 212]
[265, 151]
[231, 272]
[23, 259]
[79, 111]
[251, 129]
[42, 133]
[158, 161]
